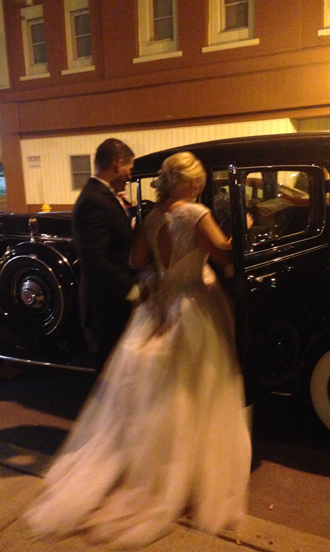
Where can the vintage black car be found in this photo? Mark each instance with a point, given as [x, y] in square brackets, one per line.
[281, 275]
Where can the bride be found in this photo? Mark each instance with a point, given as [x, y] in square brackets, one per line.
[163, 432]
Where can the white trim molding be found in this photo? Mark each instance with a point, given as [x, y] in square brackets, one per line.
[76, 63]
[150, 47]
[143, 59]
[228, 28]
[326, 19]
[229, 45]
[37, 76]
[31, 17]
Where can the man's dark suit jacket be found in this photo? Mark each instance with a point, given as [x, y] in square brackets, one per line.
[103, 237]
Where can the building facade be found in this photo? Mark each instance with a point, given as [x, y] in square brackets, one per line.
[155, 73]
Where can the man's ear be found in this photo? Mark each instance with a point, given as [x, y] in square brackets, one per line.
[114, 165]
[117, 164]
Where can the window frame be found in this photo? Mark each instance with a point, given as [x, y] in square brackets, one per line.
[150, 49]
[223, 213]
[326, 19]
[315, 226]
[73, 172]
[219, 38]
[75, 64]
[29, 15]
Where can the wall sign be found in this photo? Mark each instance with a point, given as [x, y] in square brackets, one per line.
[34, 161]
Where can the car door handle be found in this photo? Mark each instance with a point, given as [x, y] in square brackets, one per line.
[260, 279]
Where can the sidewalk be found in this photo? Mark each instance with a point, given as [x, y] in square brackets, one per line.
[17, 490]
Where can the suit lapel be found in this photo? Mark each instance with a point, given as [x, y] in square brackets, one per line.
[114, 202]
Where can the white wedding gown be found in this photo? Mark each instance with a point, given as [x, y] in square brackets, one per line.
[164, 430]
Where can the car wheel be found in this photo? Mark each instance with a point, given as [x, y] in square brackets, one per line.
[39, 286]
[320, 389]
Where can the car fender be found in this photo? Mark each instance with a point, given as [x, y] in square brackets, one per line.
[40, 285]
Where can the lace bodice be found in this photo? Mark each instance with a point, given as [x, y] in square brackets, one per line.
[186, 258]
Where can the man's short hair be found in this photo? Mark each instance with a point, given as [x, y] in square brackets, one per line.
[109, 151]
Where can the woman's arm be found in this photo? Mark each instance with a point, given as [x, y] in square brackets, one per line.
[140, 255]
[213, 240]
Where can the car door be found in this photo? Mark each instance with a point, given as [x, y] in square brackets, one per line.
[281, 277]
[142, 196]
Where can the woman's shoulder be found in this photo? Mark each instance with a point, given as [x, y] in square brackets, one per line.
[187, 215]
[194, 211]
[198, 208]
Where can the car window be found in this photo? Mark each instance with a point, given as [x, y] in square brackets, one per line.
[142, 195]
[148, 193]
[279, 201]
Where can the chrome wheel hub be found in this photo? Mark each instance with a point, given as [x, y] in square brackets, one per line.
[32, 294]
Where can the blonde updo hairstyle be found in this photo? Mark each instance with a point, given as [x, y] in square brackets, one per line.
[181, 170]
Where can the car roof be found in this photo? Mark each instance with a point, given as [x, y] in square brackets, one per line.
[297, 148]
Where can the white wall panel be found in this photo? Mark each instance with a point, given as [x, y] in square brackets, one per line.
[46, 161]
[313, 125]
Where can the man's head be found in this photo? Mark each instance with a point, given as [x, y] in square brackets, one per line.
[113, 162]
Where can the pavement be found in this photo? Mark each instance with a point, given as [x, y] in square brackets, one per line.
[21, 479]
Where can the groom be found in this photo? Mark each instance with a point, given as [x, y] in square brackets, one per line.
[103, 237]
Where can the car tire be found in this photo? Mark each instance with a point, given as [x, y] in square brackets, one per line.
[39, 286]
